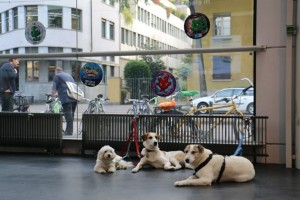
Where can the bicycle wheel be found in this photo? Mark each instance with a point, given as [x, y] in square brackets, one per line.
[100, 109]
[92, 109]
[185, 128]
[130, 111]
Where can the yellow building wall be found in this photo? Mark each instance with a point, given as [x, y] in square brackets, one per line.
[241, 13]
[114, 89]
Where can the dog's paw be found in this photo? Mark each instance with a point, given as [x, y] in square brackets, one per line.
[100, 171]
[135, 170]
[171, 168]
[180, 183]
[111, 170]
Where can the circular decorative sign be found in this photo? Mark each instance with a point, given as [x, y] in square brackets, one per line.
[196, 25]
[35, 32]
[163, 83]
[91, 74]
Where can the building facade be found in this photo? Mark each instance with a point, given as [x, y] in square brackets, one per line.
[71, 26]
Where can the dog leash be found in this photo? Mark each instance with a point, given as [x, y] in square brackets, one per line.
[133, 135]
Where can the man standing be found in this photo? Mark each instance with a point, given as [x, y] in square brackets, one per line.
[69, 105]
[8, 76]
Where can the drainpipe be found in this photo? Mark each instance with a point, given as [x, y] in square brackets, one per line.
[91, 11]
[297, 89]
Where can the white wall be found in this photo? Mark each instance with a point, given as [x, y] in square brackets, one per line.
[270, 74]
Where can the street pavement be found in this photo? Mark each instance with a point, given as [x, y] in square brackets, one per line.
[81, 107]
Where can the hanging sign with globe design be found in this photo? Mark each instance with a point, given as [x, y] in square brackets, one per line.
[196, 25]
[163, 83]
[91, 74]
[35, 32]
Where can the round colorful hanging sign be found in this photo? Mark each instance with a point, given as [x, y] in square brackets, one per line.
[35, 32]
[91, 74]
[163, 83]
[196, 25]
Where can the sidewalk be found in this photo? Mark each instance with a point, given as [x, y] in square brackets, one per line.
[81, 107]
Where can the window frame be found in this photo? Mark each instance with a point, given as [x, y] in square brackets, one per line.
[222, 27]
[34, 75]
[33, 16]
[56, 16]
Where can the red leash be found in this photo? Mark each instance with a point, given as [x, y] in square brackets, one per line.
[135, 139]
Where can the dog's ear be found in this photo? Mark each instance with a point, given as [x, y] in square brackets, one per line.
[145, 136]
[200, 148]
[187, 148]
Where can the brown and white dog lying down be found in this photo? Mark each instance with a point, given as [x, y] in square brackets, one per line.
[109, 161]
[152, 155]
[210, 167]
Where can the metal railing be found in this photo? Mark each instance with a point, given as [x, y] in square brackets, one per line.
[42, 130]
[113, 129]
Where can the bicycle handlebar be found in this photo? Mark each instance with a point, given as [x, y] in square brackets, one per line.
[173, 95]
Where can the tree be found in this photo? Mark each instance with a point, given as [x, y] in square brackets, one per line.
[134, 72]
[137, 69]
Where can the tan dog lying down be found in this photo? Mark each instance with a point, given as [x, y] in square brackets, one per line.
[210, 167]
[109, 161]
[153, 156]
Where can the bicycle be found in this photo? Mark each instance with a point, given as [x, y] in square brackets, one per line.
[96, 105]
[53, 104]
[196, 128]
[141, 106]
[22, 103]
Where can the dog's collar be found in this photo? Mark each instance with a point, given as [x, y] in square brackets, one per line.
[148, 150]
[203, 163]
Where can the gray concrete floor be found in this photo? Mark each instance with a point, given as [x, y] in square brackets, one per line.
[43, 177]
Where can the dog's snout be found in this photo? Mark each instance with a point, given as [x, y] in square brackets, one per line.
[108, 155]
[187, 160]
[155, 143]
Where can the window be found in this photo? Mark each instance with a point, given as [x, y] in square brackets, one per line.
[134, 39]
[109, 2]
[112, 58]
[222, 25]
[76, 50]
[55, 49]
[15, 18]
[76, 19]
[112, 71]
[103, 25]
[111, 30]
[31, 14]
[221, 67]
[104, 73]
[55, 16]
[7, 20]
[15, 50]
[51, 69]
[31, 50]
[122, 35]
[32, 71]
[76, 66]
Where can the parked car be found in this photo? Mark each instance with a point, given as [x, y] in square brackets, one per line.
[244, 102]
